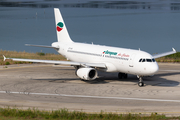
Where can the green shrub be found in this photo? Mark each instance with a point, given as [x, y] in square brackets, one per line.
[7, 63]
[64, 114]
[40, 53]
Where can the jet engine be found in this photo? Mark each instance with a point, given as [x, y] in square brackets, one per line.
[87, 73]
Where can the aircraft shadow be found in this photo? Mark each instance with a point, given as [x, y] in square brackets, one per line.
[104, 78]
[61, 80]
[168, 74]
[156, 80]
[159, 81]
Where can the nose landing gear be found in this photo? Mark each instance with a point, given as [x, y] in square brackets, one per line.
[124, 75]
[140, 83]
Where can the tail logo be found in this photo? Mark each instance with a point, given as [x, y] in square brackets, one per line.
[59, 26]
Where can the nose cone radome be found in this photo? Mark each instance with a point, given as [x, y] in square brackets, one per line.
[154, 68]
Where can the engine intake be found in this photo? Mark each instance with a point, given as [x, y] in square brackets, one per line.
[87, 73]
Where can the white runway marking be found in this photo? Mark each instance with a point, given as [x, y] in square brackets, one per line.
[85, 96]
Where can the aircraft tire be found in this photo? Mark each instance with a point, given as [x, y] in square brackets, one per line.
[120, 75]
[140, 84]
[125, 76]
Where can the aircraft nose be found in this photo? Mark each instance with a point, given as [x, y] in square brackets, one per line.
[154, 68]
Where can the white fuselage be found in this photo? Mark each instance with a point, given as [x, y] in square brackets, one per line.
[116, 59]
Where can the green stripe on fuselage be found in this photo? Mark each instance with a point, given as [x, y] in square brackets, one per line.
[110, 53]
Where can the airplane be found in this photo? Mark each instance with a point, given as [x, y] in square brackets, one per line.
[89, 58]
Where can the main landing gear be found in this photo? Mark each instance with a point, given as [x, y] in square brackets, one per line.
[122, 75]
[140, 83]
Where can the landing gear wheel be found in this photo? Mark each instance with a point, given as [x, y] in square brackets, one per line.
[125, 76]
[140, 84]
[122, 75]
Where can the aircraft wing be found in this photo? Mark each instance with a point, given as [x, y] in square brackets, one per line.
[98, 65]
[164, 54]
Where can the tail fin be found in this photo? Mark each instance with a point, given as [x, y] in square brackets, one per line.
[62, 33]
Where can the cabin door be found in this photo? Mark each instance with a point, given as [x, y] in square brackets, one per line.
[131, 60]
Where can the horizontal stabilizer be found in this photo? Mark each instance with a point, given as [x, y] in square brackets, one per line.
[41, 46]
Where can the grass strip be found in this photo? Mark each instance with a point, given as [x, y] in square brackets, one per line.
[64, 114]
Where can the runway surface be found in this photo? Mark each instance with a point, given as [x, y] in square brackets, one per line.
[51, 87]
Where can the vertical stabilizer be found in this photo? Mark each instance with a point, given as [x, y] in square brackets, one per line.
[62, 33]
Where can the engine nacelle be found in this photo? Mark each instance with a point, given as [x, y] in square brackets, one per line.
[87, 73]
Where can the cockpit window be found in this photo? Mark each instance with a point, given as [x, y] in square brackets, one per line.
[143, 60]
[148, 60]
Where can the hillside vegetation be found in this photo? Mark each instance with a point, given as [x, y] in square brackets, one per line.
[170, 58]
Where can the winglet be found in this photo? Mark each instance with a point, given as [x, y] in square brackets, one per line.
[174, 50]
[4, 57]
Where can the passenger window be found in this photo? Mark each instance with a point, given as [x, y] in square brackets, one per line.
[140, 60]
[148, 60]
[153, 60]
[143, 60]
